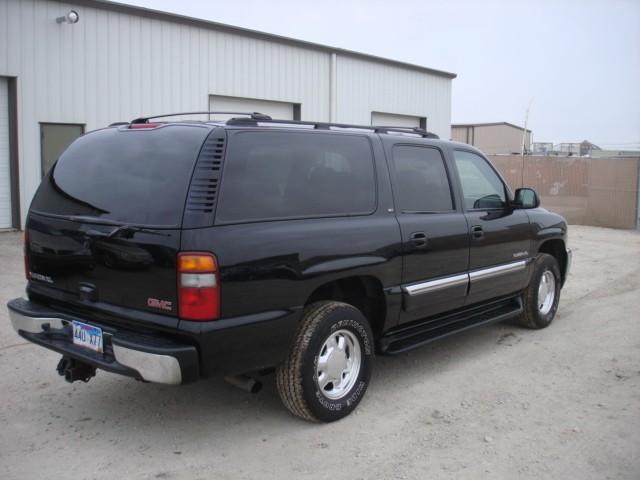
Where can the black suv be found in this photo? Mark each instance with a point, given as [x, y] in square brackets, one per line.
[171, 251]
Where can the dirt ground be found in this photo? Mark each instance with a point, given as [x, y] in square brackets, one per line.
[494, 402]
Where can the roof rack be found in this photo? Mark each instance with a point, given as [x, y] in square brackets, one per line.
[251, 115]
[414, 130]
[330, 125]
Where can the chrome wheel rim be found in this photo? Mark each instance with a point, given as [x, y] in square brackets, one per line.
[546, 292]
[338, 364]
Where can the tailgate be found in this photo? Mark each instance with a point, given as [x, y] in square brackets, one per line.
[104, 226]
[81, 262]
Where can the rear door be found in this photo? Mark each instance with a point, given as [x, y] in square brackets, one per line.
[434, 232]
[104, 226]
[499, 236]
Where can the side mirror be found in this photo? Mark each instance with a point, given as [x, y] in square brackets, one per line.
[526, 198]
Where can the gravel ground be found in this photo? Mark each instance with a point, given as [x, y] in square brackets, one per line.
[494, 402]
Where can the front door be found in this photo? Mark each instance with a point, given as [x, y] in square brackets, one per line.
[499, 236]
[434, 232]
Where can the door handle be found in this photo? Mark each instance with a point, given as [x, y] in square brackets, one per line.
[419, 239]
[477, 233]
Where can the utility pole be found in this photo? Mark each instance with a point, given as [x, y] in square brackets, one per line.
[524, 139]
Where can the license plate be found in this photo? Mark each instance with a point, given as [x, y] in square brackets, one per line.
[87, 336]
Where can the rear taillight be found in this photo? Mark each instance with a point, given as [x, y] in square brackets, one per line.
[25, 238]
[198, 289]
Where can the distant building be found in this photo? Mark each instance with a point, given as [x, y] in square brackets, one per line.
[492, 138]
[580, 149]
[542, 148]
[615, 153]
[576, 148]
[587, 148]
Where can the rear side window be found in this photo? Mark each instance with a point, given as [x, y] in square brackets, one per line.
[421, 180]
[271, 175]
[135, 177]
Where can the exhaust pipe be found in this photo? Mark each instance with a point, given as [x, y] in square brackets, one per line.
[244, 382]
[72, 370]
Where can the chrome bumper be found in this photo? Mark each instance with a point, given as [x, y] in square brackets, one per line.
[151, 367]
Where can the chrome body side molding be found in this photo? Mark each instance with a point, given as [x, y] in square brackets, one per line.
[438, 284]
[491, 272]
[464, 278]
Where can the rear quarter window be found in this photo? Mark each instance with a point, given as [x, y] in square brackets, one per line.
[276, 175]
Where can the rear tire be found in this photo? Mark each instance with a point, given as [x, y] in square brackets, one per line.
[542, 295]
[328, 368]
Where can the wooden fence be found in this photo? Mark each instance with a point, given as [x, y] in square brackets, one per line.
[586, 191]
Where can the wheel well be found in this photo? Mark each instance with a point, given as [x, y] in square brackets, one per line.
[557, 249]
[363, 292]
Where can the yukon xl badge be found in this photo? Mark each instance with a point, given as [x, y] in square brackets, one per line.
[39, 276]
[161, 304]
[520, 254]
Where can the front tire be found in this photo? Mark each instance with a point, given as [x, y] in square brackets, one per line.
[542, 295]
[328, 368]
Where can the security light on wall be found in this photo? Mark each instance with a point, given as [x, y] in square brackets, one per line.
[71, 17]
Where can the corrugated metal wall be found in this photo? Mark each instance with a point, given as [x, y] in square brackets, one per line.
[114, 66]
[601, 192]
[365, 86]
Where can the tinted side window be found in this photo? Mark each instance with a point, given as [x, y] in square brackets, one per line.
[481, 187]
[421, 177]
[269, 175]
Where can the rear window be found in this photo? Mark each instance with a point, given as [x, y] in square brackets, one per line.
[272, 175]
[136, 177]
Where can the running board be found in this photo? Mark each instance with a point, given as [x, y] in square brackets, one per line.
[398, 341]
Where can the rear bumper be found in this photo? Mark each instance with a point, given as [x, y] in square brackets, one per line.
[145, 357]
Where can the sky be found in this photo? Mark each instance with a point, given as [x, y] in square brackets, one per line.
[575, 64]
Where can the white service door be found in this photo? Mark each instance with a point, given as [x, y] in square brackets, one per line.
[394, 120]
[276, 110]
[5, 179]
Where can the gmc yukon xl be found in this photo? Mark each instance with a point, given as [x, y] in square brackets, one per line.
[170, 251]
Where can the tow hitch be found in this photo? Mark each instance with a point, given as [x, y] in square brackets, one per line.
[72, 370]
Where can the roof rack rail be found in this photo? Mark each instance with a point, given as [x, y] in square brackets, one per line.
[413, 130]
[251, 115]
[329, 125]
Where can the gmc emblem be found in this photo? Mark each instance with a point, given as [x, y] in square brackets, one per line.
[161, 304]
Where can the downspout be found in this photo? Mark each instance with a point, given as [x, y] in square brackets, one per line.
[333, 87]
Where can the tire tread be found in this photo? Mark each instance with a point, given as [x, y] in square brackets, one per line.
[529, 319]
[289, 374]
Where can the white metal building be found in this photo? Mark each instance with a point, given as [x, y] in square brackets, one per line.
[117, 62]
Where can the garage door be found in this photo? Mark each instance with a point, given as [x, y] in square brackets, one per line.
[394, 120]
[279, 110]
[5, 179]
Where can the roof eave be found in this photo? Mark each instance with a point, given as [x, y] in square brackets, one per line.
[175, 17]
